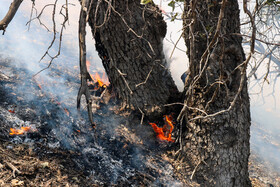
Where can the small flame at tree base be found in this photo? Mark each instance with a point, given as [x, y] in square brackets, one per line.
[22, 130]
[164, 133]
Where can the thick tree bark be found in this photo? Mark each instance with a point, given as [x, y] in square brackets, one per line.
[129, 41]
[217, 145]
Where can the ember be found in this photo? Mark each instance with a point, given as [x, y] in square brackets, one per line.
[22, 130]
[66, 111]
[164, 133]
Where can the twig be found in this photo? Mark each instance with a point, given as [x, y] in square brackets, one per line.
[142, 117]
[197, 167]
[122, 75]
[175, 46]
[146, 78]
[13, 168]
[195, 170]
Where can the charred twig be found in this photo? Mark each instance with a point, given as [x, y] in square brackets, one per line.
[10, 15]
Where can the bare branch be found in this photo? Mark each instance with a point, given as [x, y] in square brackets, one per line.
[10, 15]
[84, 90]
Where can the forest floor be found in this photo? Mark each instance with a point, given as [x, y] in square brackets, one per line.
[117, 154]
[20, 165]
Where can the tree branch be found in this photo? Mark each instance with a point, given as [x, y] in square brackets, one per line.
[10, 15]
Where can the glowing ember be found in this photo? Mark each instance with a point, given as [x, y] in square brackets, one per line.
[22, 130]
[66, 111]
[164, 133]
[39, 85]
[12, 111]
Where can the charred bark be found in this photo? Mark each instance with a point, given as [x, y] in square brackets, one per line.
[216, 113]
[129, 41]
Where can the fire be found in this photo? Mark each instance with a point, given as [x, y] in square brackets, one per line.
[22, 130]
[164, 133]
[12, 111]
[66, 111]
[100, 82]
[98, 79]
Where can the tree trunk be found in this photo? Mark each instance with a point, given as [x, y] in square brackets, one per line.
[129, 41]
[216, 113]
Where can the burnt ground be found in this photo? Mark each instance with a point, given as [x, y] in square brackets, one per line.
[62, 149]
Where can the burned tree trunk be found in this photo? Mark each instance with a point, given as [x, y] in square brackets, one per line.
[129, 41]
[216, 110]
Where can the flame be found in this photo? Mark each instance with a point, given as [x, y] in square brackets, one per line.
[12, 111]
[66, 111]
[39, 86]
[102, 82]
[164, 133]
[98, 79]
[22, 130]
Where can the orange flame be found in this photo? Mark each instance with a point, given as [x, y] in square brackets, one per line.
[22, 130]
[164, 133]
[39, 85]
[11, 111]
[98, 79]
[66, 111]
[102, 82]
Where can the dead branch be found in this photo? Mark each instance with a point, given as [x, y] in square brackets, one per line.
[10, 15]
[15, 170]
[84, 90]
[64, 13]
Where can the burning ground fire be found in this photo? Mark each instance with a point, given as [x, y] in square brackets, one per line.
[99, 82]
[20, 131]
[164, 133]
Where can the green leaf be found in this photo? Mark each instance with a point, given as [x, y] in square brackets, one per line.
[174, 16]
[172, 4]
[144, 2]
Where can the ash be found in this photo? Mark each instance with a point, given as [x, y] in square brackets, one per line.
[119, 151]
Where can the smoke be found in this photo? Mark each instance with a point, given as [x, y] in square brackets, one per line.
[109, 154]
[177, 59]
